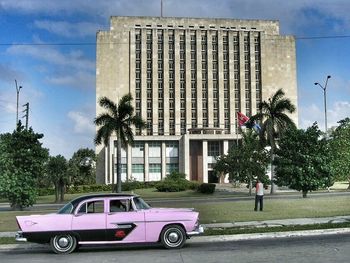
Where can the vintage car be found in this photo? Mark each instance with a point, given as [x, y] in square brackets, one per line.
[109, 219]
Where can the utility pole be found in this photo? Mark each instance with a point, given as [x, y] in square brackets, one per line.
[26, 110]
[17, 90]
[324, 101]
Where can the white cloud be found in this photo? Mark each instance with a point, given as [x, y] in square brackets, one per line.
[336, 112]
[81, 80]
[66, 29]
[340, 110]
[53, 56]
[310, 114]
[83, 122]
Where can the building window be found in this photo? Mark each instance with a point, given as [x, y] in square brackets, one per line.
[213, 148]
[155, 168]
[172, 167]
[137, 168]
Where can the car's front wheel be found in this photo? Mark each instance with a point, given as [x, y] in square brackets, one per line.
[63, 244]
[173, 236]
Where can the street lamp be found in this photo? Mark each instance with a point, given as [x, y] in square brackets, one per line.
[325, 100]
[17, 89]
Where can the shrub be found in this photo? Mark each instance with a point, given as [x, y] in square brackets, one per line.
[174, 182]
[132, 185]
[206, 188]
[172, 185]
[194, 185]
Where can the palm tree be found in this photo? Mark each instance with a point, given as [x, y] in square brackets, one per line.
[274, 121]
[118, 119]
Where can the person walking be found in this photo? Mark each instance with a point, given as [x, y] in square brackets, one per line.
[259, 195]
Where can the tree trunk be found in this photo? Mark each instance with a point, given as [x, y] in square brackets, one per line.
[273, 188]
[250, 186]
[305, 193]
[56, 192]
[119, 166]
[349, 183]
[62, 190]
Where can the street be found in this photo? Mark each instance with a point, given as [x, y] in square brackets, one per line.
[327, 248]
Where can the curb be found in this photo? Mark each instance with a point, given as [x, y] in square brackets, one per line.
[271, 235]
[219, 238]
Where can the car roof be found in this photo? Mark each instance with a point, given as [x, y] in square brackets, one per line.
[79, 199]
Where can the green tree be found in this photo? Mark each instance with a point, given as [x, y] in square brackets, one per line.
[22, 159]
[82, 168]
[246, 162]
[57, 172]
[274, 121]
[340, 148]
[118, 119]
[302, 160]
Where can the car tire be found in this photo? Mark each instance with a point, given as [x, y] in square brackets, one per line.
[173, 237]
[63, 243]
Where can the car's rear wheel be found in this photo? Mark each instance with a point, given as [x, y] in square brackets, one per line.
[173, 236]
[63, 244]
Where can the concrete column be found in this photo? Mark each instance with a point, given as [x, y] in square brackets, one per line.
[225, 147]
[231, 84]
[129, 161]
[210, 34]
[177, 82]
[154, 82]
[221, 114]
[252, 73]
[242, 71]
[205, 162]
[199, 79]
[146, 163]
[163, 153]
[144, 76]
[184, 156]
[166, 81]
[188, 80]
[107, 178]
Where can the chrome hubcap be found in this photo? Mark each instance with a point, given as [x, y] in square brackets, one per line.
[173, 237]
[63, 242]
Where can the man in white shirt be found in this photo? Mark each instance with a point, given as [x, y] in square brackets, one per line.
[259, 196]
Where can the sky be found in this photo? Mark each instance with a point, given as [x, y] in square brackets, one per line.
[48, 47]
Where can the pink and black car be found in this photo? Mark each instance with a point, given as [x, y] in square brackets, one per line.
[109, 219]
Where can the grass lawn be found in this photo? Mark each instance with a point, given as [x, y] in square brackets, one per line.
[236, 210]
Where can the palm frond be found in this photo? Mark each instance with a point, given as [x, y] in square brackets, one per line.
[109, 105]
[103, 119]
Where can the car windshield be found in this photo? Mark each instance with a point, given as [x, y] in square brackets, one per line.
[140, 204]
[66, 209]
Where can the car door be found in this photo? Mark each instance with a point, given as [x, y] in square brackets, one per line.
[89, 220]
[124, 223]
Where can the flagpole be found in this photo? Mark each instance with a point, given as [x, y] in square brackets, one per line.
[161, 8]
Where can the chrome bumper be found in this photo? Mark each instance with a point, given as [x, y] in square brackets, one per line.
[19, 237]
[199, 230]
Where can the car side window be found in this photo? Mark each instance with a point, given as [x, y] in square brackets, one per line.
[91, 207]
[120, 206]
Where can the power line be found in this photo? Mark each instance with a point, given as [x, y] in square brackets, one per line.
[322, 37]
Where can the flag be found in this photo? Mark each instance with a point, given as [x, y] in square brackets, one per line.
[242, 119]
[256, 127]
[245, 121]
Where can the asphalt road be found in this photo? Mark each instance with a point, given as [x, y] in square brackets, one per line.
[318, 249]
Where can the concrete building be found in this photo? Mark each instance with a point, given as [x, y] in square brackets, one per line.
[188, 77]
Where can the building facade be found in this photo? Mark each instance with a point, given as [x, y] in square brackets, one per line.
[189, 77]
